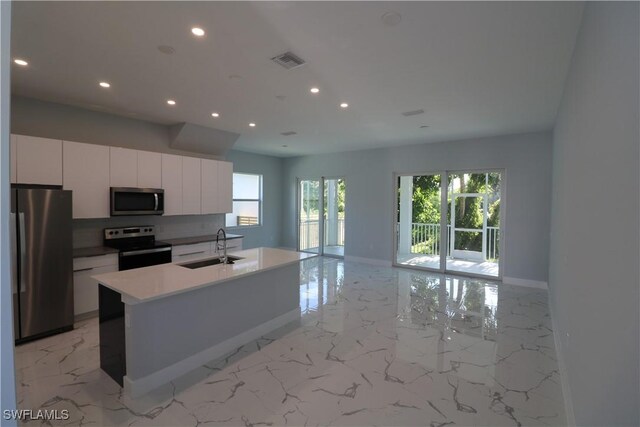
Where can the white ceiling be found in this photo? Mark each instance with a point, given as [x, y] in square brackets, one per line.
[476, 68]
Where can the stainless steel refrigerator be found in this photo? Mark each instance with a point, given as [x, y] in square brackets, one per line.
[42, 262]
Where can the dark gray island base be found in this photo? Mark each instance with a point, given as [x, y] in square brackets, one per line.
[112, 334]
[145, 344]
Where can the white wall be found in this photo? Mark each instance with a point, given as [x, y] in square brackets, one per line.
[7, 375]
[593, 277]
[370, 193]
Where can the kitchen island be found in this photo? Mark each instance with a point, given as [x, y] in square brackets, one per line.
[160, 322]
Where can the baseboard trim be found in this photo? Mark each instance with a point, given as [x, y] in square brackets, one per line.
[564, 379]
[138, 387]
[85, 316]
[371, 261]
[525, 282]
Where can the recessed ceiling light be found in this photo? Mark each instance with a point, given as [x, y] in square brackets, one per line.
[171, 102]
[252, 125]
[197, 31]
[21, 62]
[215, 114]
[315, 90]
[344, 105]
[105, 84]
[424, 127]
[285, 146]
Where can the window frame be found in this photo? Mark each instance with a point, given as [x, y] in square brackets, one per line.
[259, 200]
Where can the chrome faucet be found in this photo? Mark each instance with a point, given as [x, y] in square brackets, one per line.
[223, 258]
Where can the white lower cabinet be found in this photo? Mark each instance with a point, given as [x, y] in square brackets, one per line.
[198, 251]
[85, 289]
[184, 253]
[232, 245]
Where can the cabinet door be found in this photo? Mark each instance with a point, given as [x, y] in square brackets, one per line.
[225, 187]
[85, 289]
[190, 185]
[172, 184]
[209, 185]
[149, 170]
[13, 148]
[39, 160]
[123, 167]
[86, 173]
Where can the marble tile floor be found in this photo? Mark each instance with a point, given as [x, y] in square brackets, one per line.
[374, 346]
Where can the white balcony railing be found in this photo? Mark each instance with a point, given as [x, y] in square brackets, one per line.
[310, 233]
[425, 239]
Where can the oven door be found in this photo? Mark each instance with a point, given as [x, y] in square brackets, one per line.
[144, 258]
[136, 201]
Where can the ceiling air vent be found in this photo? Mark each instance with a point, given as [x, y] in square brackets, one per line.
[413, 113]
[288, 60]
[289, 133]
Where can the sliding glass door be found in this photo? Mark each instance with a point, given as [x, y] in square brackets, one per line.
[334, 216]
[309, 226]
[419, 235]
[450, 222]
[474, 223]
[321, 216]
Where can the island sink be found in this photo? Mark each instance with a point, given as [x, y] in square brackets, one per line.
[208, 262]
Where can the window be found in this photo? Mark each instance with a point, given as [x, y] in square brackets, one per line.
[247, 201]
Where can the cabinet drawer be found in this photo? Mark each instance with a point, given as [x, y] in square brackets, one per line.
[191, 252]
[95, 262]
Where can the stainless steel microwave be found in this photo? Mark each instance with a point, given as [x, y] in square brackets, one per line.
[136, 201]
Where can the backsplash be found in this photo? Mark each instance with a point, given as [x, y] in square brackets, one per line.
[89, 232]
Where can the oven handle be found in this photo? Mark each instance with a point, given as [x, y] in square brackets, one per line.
[155, 196]
[145, 251]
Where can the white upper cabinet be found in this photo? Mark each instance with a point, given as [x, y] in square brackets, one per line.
[225, 187]
[209, 190]
[86, 173]
[13, 148]
[38, 160]
[191, 185]
[172, 184]
[149, 169]
[123, 167]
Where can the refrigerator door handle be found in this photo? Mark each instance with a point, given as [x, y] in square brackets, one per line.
[23, 251]
[14, 254]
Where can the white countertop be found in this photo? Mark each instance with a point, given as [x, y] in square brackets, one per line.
[159, 281]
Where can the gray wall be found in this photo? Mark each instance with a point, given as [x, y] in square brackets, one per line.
[51, 120]
[594, 242]
[269, 233]
[7, 373]
[370, 189]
